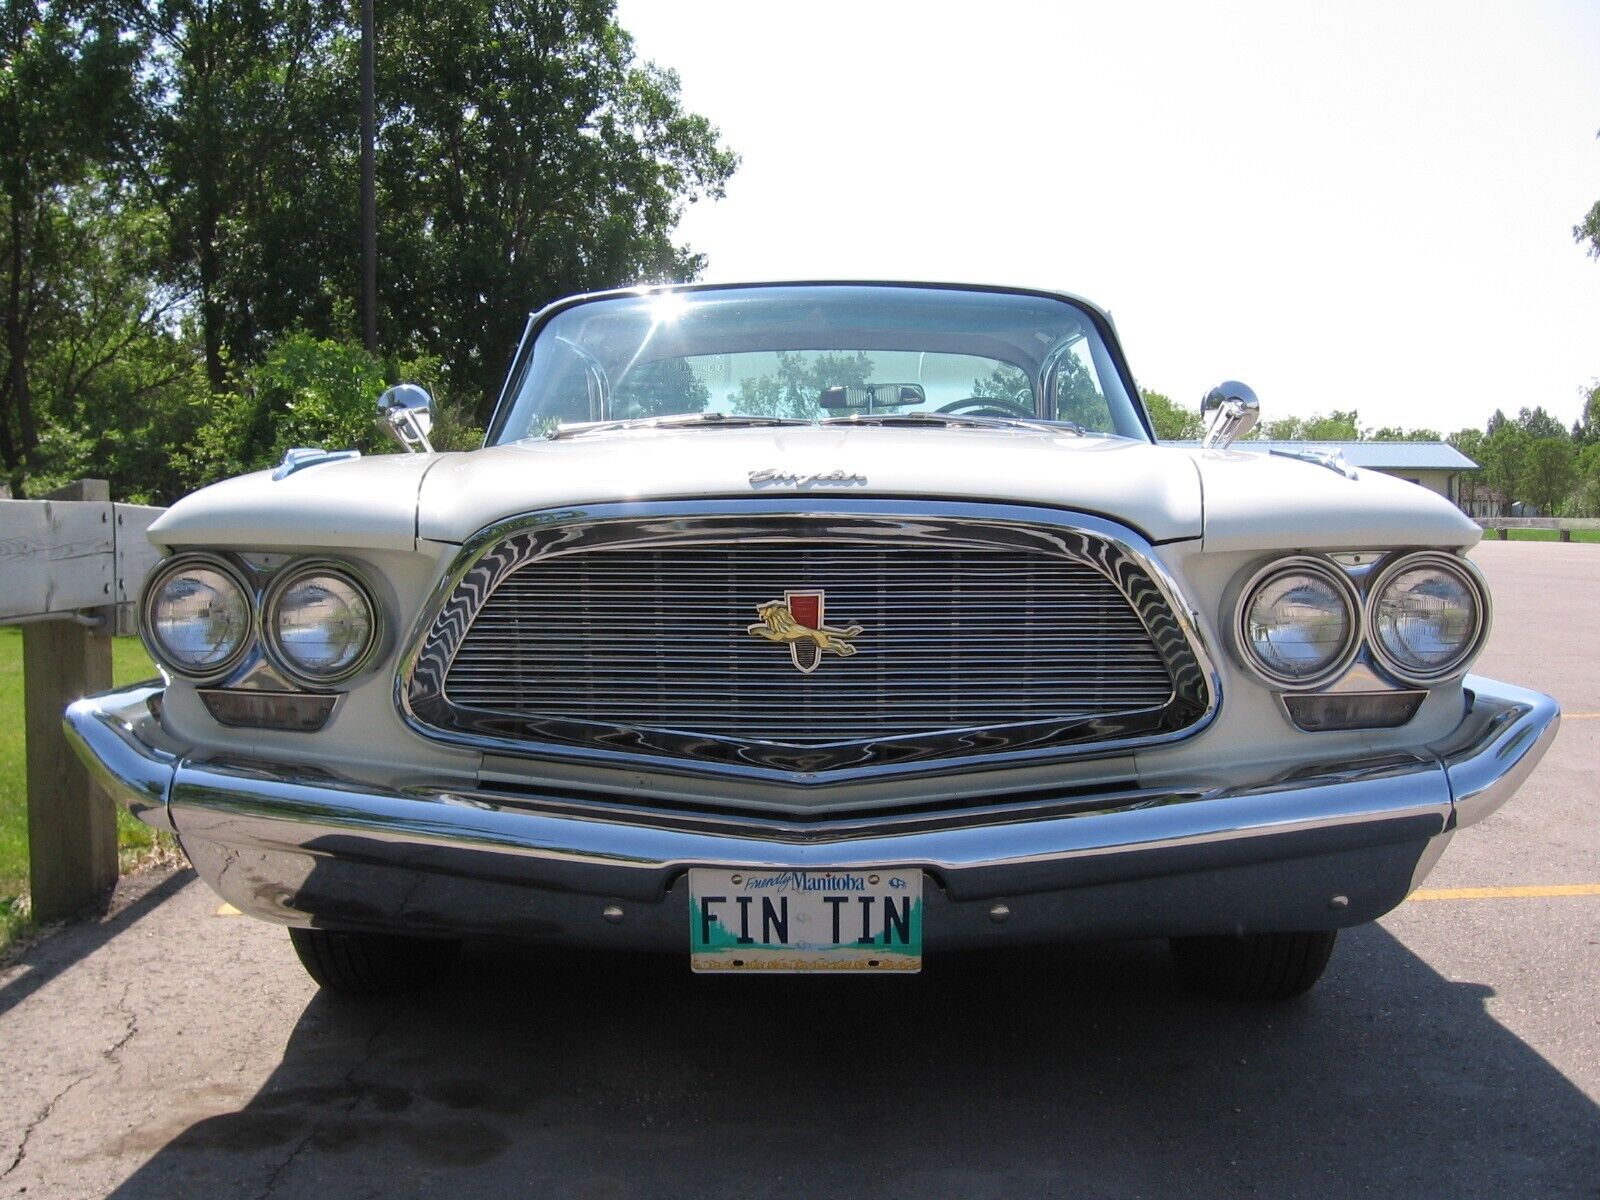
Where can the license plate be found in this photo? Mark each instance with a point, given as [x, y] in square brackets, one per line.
[785, 921]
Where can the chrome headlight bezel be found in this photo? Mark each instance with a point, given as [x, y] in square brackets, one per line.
[160, 652]
[1468, 575]
[295, 573]
[1342, 585]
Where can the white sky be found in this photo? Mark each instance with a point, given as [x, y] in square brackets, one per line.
[1345, 205]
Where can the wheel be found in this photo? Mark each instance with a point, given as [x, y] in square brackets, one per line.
[371, 964]
[1257, 966]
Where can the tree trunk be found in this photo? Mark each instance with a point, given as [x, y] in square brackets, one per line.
[369, 183]
[18, 394]
[211, 306]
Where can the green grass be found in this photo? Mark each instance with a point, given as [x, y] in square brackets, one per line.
[129, 665]
[1545, 535]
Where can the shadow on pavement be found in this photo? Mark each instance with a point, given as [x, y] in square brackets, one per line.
[1081, 1071]
[44, 961]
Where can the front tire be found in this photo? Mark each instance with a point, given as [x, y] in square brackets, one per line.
[371, 964]
[1257, 966]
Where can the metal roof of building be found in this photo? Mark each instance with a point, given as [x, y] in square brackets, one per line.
[1377, 456]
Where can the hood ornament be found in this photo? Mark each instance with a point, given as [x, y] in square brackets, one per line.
[797, 620]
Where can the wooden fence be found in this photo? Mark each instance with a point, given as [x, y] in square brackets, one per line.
[71, 565]
[1564, 526]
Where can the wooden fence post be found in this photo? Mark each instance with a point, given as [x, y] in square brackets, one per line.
[72, 824]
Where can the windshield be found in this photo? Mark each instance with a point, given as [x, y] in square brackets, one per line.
[814, 352]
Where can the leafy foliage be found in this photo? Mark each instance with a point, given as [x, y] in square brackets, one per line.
[1173, 422]
[1393, 433]
[525, 155]
[1337, 426]
[178, 217]
[1549, 472]
[68, 88]
[1588, 230]
[1533, 459]
[309, 391]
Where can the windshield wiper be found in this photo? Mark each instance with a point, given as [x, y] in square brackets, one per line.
[671, 421]
[947, 419]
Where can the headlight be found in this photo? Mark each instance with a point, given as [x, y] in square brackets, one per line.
[1299, 623]
[320, 623]
[196, 618]
[1428, 615]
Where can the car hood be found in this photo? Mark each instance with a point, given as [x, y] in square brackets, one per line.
[1154, 490]
[1237, 500]
[364, 502]
[1261, 501]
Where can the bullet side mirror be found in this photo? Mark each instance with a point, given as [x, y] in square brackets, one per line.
[405, 413]
[1232, 409]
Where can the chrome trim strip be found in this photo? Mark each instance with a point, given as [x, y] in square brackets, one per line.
[1172, 625]
[463, 834]
[117, 735]
[1505, 733]
[287, 820]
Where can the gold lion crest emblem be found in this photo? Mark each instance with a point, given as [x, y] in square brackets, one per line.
[797, 621]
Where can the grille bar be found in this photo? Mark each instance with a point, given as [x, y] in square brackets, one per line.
[957, 636]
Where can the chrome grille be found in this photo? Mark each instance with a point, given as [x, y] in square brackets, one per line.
[954, 637]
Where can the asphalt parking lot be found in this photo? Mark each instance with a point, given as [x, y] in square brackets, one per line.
[1453, 1049]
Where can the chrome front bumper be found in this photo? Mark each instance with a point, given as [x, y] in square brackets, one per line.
[1322, 847]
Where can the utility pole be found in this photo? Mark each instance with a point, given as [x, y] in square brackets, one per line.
[369, 183]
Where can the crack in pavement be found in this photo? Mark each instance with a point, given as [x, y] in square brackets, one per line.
[110, 1054]
[320, 1123]
[44, 1115]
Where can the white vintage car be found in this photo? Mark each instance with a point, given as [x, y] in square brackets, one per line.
[815, 627]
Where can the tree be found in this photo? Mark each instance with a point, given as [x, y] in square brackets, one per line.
[1393, 433]
[1586, 429]
[1588, 230]
[251, 125]
[1504, 450]
[1549, 472]
[310, 391]
[178, 207]
[1586, 499]
[1538, 424]
[524, 154]
[66, 86]
[1173, 422]
[1470, 443]
[1337, 426]
[117, 377]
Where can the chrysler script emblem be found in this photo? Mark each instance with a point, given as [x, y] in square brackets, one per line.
[773, 476]
[797, 620]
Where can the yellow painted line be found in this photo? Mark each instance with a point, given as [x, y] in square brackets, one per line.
[1507, 893]
[228, 910]
[1580, 716]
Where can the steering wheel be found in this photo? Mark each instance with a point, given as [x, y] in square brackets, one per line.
[989, 406]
